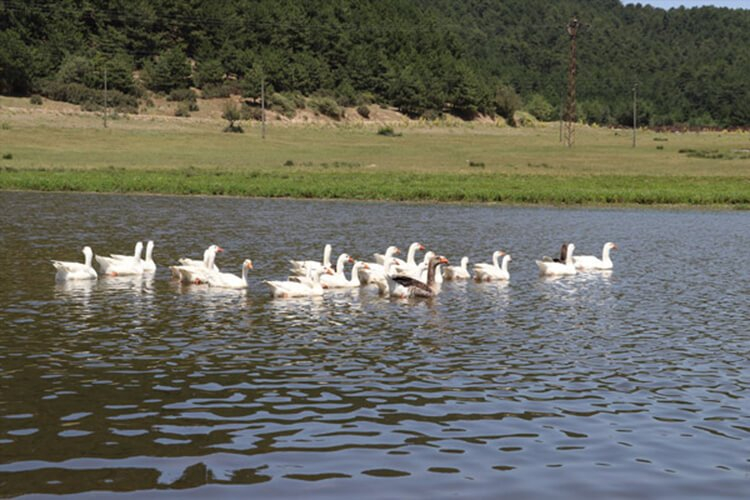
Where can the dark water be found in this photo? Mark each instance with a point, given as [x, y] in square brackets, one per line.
[633, 384]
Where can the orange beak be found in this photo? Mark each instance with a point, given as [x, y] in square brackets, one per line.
[443, 260]
[219, 249]
[250, 265]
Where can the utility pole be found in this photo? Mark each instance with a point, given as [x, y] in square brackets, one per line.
[570, 112]
[562, 114]
[105, 97]
[263, 107]
[635, 111]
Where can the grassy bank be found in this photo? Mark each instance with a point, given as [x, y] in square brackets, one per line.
[440, 161]
[509, 188]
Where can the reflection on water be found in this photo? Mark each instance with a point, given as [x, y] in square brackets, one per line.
[612, 384]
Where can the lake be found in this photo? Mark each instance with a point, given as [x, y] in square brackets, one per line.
[634, 383]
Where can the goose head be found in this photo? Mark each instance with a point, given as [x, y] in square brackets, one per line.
[428, 257]
[496, 257]
[464, 262]
[506, 258]
[391, 251]
[413, 248]
[138, 250]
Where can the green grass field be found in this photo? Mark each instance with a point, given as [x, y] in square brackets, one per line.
[472, 162]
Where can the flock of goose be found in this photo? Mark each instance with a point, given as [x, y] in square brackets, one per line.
[392, 276]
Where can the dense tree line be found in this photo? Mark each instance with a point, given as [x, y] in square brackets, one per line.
[426, 57]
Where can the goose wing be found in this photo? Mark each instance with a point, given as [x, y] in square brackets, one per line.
[408, 281]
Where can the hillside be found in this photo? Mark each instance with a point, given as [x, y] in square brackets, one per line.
[423, 57]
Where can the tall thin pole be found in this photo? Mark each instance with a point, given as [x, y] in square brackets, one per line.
[562, 115]
[263, 107]
[635, 111]
[570, 113]
[105, 97]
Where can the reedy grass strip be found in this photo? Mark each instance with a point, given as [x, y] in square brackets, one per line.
[475, 187]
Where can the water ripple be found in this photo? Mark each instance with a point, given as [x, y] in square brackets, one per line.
[633, 382]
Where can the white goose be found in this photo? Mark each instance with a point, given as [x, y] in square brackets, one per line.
[213, 249]
[229, 280]
[149, 266]
[301, 267]
[337, 279]
[197, 271]
[458, 272]
[122, 265]
[286, 289]
[354, 280]
[409, 263]
[136, 253]
[374, 272]
[495, 271]
[551, 268]
[590, 262]
[76, 270]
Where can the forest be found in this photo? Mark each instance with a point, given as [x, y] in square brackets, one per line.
[424, 57]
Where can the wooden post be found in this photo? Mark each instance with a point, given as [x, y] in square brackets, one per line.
[263, 107]
[635, 111]
[105, 97]
[570, 112]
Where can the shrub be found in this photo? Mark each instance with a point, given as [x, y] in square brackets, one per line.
[524, 119]
[347, 96]
[77, 68]
[282, 105]
[248, 112]
[363, 111]
[540, 108]
[182, 95]
[368, 98]
[432, 114]
[216, 91]
[296, 98]
[90, 106]
[76, 93]
[506, 101]
[36, 100]
[8, 156]
[231, 114]
[234, 128]
[183, 110]
[387, 131]
[327, 106]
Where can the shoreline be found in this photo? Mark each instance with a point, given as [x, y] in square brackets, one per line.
[739, 206]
